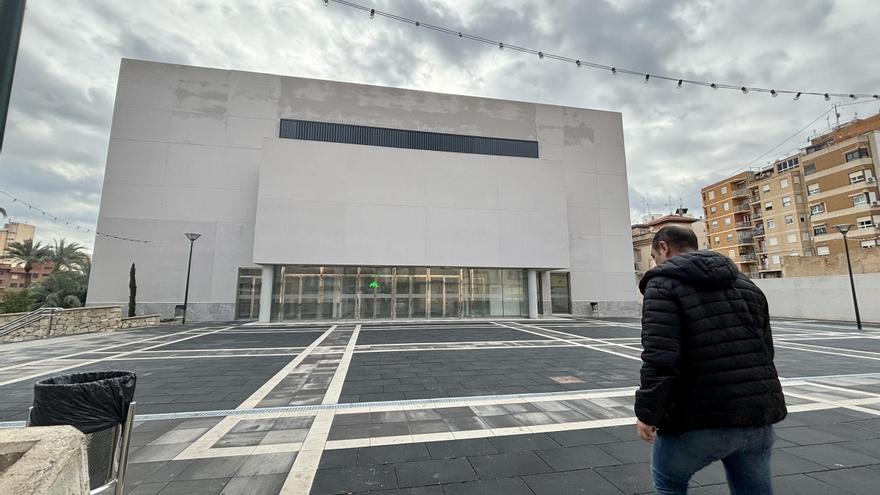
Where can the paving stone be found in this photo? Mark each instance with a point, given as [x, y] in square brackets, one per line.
[465, 423]
[718, 489]
[351, 479]
[293, 423]
[812, 435]
[569, 438]
[506, 421]
[388, 417]
[419, 427]
[509, 464]
[269, 483]
[388, 429]
[801, 484]
[523, 443]
[832, 456]
[390, 454]
[629, 452]
[145, 489]
[418, 490]
[585, 482]
[338, 458]
[252, 425]
[348, 432]
[195, 487]
[507, 486]
[152, 453]
[214, 467]
[262, 464]
[460, 448]
[351, 419]
[571, 458]
[434, 472]
[629, 478]
[240, 439]
[455, 412]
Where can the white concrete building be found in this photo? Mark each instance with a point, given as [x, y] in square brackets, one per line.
[326, 200]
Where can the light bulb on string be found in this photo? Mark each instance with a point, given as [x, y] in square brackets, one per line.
[773, 93]
[744, 89]
[372, 13]
[797, 96]
[647, 78]
[680, 81]
[827, 97]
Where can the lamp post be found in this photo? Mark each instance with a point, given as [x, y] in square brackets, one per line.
[192, 239]
[844, 229]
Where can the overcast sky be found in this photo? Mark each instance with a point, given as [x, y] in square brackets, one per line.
[676, 140]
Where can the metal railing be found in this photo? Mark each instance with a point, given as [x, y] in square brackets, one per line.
[740, 225]
[740, 193]
[742, 208]
[26, 319]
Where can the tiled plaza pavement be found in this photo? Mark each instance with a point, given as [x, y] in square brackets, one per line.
[450, 407]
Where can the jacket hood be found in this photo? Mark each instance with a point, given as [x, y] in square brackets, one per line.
[698, 268]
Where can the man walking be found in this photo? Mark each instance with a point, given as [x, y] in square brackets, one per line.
[709, 388]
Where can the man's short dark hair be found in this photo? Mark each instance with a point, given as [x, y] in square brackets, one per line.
[677, 238]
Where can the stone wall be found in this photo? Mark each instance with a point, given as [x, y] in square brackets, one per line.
[863, 261]
[76, 321]
[43, 460]
[139, 321]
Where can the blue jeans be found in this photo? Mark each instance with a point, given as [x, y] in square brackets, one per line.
[745, 453]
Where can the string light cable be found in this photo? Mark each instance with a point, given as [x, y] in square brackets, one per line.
[614, 70]
[69, 224]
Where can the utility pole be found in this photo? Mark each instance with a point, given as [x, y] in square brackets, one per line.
[11, 18]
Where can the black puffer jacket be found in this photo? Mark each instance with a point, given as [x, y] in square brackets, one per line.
[708, 352]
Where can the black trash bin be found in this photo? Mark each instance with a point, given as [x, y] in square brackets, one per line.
[99, 404]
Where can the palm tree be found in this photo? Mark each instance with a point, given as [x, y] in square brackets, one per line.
[2, 212]
[28, 252]
[67, 256]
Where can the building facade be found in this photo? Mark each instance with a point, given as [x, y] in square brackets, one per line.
[643, 235]
[14, 277]
[327, 200]
[791, 207]
[841, 180]
[14, 232]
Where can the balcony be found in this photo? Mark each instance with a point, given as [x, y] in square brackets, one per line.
[740, 193]
[754, 199]
[758, 231]
[744, 225]
[757, 215]
[744, 239]
[743, 208]
[747, 257]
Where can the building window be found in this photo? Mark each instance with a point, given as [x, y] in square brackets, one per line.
[791, 238]
[817, 209]
[14, 276]
[726, 206]
[786, 201]
[856, 177]
[813, 189]
[768, 205]
[713, 209]
[724, 190]
[789, 219]
[820, 229]
[865, 222]
[823, 251]
[771, 223]
[711, 195]
[717, 240]
[404, 138]
[714, 224]
[765, 188]
[729, 237]
[856, 154]
[727, 221]
[731, 253]
[860, 199]
[783, 183]
[772, 241]
[637, 254]
[775, 259]
[787, 164]
[810, 169]
[870, 243]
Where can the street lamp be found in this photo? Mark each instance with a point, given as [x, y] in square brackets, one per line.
[192, 239]
[844, 229]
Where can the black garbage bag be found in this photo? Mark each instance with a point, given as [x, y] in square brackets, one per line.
[90, 402]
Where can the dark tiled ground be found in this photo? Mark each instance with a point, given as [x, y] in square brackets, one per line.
[455, 334]
[603, 461]
[462, 373]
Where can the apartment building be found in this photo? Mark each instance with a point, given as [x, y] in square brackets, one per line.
[727, 208]
[643, 234]
[840, 175]
[14, 232]
[780, 216]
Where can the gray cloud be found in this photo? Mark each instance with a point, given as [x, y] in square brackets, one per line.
[677, 140]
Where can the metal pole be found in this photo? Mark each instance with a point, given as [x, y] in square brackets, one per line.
[186, 291]
[852, 282]
[11, 18]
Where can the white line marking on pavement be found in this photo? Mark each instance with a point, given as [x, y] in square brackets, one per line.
[267, 387]
[65, 356]
[580, 344]
[335, 388]
[114, 357]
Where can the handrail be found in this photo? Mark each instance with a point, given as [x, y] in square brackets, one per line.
[26, 319]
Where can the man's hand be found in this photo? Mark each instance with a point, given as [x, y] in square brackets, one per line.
[646, 432]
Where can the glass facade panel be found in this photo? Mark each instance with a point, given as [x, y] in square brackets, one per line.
[559, 293]
[247, 304]
[311, 293]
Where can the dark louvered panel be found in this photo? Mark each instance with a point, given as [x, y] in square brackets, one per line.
[400, 138]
